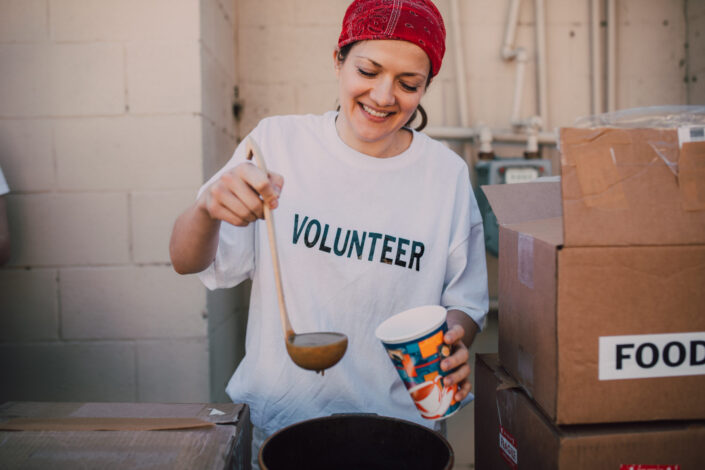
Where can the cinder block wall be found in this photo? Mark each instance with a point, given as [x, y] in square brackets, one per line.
[695, 77]
[111, 115]
[287, 63]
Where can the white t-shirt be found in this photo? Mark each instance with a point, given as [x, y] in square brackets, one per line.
[359, 239]
[4, 188]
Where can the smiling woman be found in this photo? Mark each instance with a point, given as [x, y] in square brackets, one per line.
[375, 218]
[381, 83]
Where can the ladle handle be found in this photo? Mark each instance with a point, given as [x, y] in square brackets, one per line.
[253, 150]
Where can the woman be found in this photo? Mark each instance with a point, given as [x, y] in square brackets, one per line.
[374, 218]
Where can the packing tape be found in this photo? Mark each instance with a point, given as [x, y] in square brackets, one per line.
[525, 260]
[598, 177]
[691, 176]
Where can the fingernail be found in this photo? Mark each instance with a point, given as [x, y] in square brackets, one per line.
[273, 204]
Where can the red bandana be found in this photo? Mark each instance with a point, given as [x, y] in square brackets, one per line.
[416, 21]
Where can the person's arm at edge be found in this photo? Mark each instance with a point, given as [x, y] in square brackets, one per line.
[194, 240]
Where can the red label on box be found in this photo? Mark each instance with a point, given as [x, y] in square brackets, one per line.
[508, 448]
[650, 467]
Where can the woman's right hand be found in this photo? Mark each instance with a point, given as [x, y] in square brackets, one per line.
[239, 195]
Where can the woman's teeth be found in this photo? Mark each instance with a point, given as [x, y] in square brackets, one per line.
[373, 112]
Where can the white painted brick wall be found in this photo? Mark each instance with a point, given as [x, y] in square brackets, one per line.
[23, 20]
[133, 302]
[61, 80]
[643, 73]
[153, 216]
[218, 31]
[124, 20]
[217, 103]
[173, 370]
[29, 305]
[102, 142]
[68, 229]
[696, 53]
[29, 142]
[270, 45]
[316, 97]
[261, 100]
[92, 371]
[129, 152]
[164, 77]
[218, 146]
[86, 79]
[25, 89]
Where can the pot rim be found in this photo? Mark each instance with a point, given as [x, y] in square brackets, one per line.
[370, 416]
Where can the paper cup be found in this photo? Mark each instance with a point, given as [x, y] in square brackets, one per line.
[414, 342]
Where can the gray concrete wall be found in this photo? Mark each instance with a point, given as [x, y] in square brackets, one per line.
[111, 113]
[695, 76]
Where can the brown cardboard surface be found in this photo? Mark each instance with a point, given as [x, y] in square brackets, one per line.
[527, 316]
[557, 301]
[224, 443]
[515, 203]
[624, 187]
[542, 445]
[555, 304]
[691, 177]
[102, 424]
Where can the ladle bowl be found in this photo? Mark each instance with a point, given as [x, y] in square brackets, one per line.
[316, 351]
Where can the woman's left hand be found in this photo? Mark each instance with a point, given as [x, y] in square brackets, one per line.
[458, 360]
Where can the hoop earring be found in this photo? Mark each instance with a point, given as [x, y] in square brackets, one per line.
[424, 119]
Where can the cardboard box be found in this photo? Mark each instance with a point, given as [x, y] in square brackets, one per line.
[124, 435]
[626, 187]
[598, 333]
[512, 433]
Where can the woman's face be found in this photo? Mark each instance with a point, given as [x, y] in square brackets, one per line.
[381, 83]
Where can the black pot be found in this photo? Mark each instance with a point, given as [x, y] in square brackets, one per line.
[356, 441]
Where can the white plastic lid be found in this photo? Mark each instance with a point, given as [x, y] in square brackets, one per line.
[411, 324]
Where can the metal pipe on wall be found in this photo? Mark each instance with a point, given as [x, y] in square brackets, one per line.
[541, 62]
[461, 85]
[498, 135]
[508, 51]
[521, 60]
[596, 101]
[611, 55]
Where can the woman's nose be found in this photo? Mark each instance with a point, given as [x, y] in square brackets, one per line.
[382, 92]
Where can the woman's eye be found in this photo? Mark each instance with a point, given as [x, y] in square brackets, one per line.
[366, 73]
[408, 87]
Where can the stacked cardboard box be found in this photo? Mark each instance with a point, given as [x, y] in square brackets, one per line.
[157, 436]
[602, 283]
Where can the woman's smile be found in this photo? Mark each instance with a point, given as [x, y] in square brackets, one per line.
[372, 112]
[381, 83]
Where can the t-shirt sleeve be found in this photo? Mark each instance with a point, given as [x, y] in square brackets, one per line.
[235, 257]
[465, 285]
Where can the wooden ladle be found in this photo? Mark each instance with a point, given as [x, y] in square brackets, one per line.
[313, 351]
